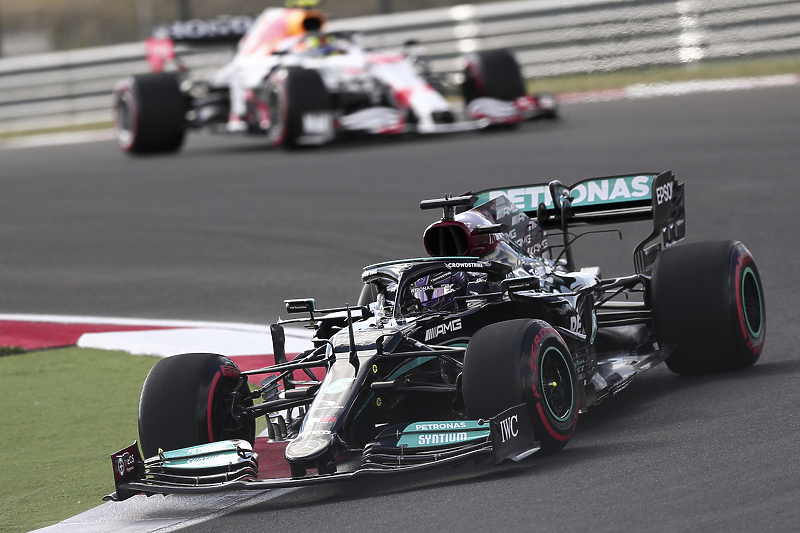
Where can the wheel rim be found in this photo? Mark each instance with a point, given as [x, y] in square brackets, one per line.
[277, 119]
[556, 383]
[124, 120]
[751, 302]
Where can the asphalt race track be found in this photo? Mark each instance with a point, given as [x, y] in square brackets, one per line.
[227, 229]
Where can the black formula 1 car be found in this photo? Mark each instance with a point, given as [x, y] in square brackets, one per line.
[491, 347]
[298, 84]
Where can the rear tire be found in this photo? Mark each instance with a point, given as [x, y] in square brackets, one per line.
[708, 299]
[523, 361]
[183, 403]
[149, 113]
[291, 93]
[493, 74]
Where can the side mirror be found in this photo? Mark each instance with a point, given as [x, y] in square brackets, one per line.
[306, 305]
[512, 285]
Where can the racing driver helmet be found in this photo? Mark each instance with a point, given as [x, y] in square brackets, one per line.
[437, 292]
[322, 44]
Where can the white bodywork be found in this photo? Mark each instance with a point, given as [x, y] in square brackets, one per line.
[391, 91]
[345, 67]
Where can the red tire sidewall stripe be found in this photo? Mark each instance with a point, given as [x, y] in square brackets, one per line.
[284, 111]
[210, 411]
[535, 354]
[480, 87]
[547, 426]
[126, 86]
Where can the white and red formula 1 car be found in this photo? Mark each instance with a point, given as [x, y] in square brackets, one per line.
[300, 85]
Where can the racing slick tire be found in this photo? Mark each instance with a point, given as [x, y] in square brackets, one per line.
[494, 74]
[149, 113]
[185, 402]
[523, 361]
[708, 300]
[292, 93]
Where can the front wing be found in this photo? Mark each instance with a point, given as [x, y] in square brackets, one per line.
[481, 113]
[232, 465]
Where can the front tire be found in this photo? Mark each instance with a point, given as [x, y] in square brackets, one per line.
[149, 113]
[291, 93]
[709, 302]
[523, 361]
[186, 401]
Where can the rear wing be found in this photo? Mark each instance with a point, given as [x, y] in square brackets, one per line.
[594, 200]
[159, 48]
[224, 29]
[625, 198]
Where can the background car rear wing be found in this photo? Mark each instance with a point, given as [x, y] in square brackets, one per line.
[255, 36]
[649, 196]
[159, 48]
[224, 29]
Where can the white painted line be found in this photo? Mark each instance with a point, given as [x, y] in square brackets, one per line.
[145, 322]
[141, 514]
[183, 336]
[166, 342]
[653, 90]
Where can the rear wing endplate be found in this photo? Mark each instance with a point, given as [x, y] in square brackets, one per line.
[613, 199]
[669, 221]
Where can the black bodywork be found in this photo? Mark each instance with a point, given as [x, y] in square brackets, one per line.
[405, 360]
[391, 361]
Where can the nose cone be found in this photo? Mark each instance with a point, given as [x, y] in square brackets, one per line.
[310, 448]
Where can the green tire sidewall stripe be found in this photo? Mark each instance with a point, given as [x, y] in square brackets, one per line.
[757, 333]
[572, 385]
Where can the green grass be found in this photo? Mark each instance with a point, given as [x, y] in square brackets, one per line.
[63, 413]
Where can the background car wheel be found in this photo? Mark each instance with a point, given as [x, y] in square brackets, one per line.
[290, 94]
[523, 361]
[149, 113]
[494, 74]
[708, 299]
[185, 401]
